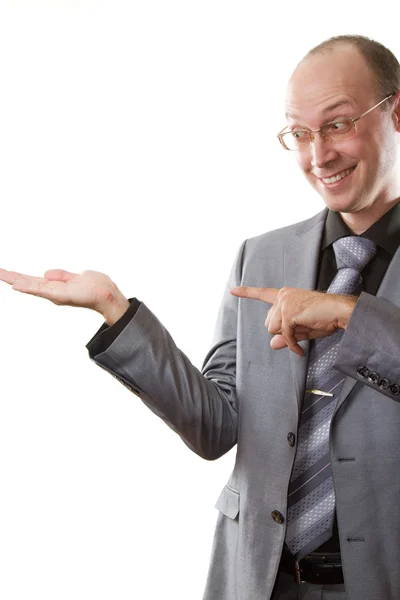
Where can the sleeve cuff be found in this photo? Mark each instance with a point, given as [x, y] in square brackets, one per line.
[106, 335]
[369, 350]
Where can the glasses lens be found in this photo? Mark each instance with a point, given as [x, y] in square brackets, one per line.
[339, 128]
[296, 140]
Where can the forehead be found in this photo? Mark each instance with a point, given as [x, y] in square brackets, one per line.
[325, 79]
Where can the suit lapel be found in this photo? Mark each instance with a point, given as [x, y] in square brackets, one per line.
[388, 290]
[300, 271]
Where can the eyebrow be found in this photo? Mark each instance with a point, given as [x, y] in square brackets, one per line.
[326, 110]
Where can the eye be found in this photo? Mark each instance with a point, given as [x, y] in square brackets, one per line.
[338, 125]
[299, 134]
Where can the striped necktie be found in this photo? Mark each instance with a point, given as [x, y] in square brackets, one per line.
[311, 496]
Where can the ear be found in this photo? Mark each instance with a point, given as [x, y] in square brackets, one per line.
[396, 111]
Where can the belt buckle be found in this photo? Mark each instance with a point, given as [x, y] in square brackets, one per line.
[328, 561]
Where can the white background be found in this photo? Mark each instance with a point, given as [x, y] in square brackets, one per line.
[136, 139]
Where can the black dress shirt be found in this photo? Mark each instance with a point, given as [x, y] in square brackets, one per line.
[386, 235]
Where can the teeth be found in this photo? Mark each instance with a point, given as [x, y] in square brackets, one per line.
[338, 176]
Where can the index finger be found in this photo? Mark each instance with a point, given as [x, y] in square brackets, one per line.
[256, 293]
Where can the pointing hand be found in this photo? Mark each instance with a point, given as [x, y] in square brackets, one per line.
[298, 314]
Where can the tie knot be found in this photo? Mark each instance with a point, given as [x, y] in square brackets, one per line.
[353, 252]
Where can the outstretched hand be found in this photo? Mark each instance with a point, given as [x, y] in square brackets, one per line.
[91, 289]
[298, 314]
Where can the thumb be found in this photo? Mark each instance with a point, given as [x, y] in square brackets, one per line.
[278, 341]
[59, 275]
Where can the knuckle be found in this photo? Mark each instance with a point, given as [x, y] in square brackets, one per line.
[281, 293]
[285, 290]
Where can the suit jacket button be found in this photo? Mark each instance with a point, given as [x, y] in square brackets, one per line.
[384, 384]
[373, 377]
[277, 517]
[395, 389]
[291, 439]
[362, 371]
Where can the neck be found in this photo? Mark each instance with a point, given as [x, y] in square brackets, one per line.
[360, 221]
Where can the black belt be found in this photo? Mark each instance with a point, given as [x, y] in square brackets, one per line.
[322, 568]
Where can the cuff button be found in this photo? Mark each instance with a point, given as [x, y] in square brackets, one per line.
[384, 384]
[373, 377]
[363, 371]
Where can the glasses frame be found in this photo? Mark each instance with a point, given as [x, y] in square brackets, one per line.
[312, 132]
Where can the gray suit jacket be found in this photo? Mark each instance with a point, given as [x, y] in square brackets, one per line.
[250, 395]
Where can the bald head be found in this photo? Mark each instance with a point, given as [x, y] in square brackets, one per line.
[384, 66]
[338, 73]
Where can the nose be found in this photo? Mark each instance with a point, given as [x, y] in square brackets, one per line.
[322, 151]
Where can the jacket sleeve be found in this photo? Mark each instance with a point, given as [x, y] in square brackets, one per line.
[198, 405]
[370, 348]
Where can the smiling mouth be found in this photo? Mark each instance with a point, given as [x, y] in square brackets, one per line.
[338, 177]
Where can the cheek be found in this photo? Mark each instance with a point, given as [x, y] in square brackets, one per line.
[361, 147]
[356, 149]
[384, 151]
[303, 160]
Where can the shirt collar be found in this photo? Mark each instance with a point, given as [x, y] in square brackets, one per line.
[385, 232]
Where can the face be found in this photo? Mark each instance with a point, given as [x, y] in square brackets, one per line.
[354, 174]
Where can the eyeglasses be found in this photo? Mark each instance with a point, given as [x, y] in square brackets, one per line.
[336, 131]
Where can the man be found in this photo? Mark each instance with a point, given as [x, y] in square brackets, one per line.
[311, 507]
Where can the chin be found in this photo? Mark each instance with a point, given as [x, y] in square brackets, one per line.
[340, 204]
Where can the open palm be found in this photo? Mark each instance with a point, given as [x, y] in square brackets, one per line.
[90, 289]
